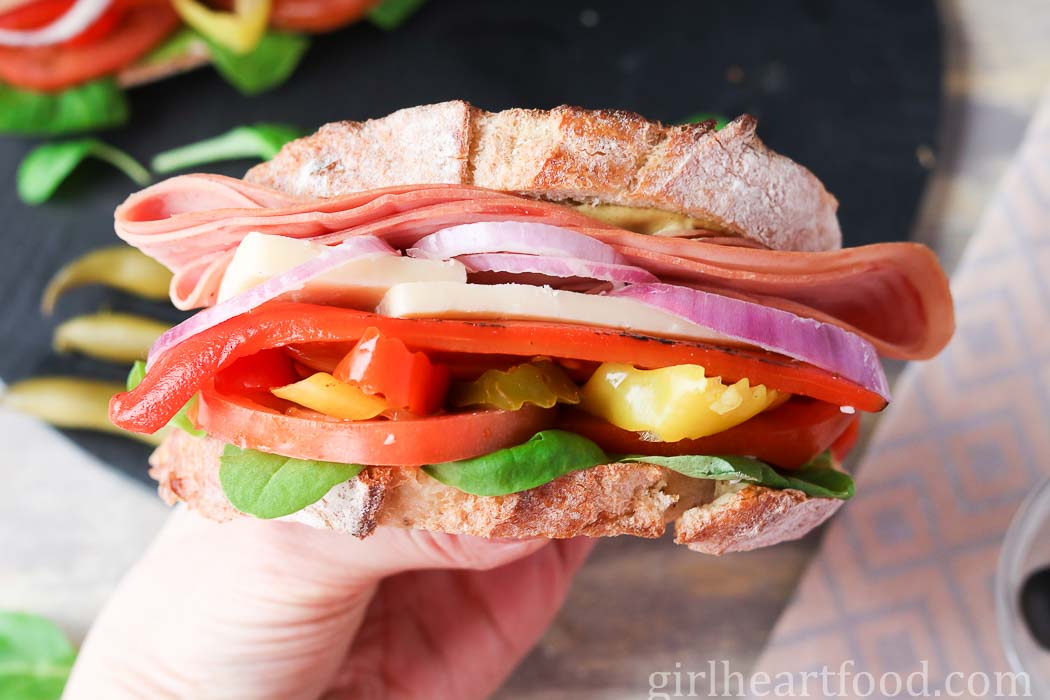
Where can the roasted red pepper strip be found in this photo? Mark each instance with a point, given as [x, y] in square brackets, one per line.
[257, 373]
[179, 373]
[845, 443]
[385, 366]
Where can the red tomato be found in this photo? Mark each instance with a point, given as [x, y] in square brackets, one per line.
[180, 372]
[786, 437]
[405, 442]
[136, 30]
[34, 15]
[406, 379]
[43, 12]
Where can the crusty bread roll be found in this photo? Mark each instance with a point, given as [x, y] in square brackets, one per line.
[610, 499]
[727, 180]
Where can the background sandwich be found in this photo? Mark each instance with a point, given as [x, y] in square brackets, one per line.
[65, 63]
[521, 324]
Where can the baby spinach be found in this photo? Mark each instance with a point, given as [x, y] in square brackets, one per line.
[261, 141]
[35, 658]
[95, 105]
[48, 165]
[270, 64]
[816, 479]
[554, 453]
[271, 486]
[391, 14]
[176, 46]
[182, 418]
[545, 457]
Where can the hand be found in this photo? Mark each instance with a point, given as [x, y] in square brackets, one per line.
[252, 610]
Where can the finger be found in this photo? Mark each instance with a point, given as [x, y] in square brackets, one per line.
[457, 634]
[244, 609]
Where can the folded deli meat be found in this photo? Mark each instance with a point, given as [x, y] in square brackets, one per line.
[455, 357]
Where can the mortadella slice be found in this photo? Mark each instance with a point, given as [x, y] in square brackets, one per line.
[893, 294]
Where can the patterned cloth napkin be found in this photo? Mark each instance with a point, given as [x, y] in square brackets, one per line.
[905, 574]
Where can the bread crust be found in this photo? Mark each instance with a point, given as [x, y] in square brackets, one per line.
[726, 179]
[603, 501]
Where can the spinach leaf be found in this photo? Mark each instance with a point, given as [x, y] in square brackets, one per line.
[179, 420]
[35, 658]
[816, 479]
[261, 141]
[95, 105]
[48, 165]
[391, 14]
[182, 419]
[177, 45]
[136, 375]
[545, 457]
[270, 64]
[271, 486]
[720, 120]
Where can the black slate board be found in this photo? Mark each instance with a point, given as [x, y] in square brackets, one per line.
[851, 89]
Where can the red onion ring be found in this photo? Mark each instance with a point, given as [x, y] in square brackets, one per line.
[820, 344]
[552, 266]
[513, 237]
[77, 18]
[292, 280]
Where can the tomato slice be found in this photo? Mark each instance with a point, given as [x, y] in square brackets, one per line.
[181, 371]
[406, 379]
[43, 12]
[136, 30]
[404, 442]
[786, 437]
[34, 15]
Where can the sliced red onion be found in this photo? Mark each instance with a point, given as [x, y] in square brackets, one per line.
[77, 18]
[820, 344]
[290, 281]
[513, 237]
[552, 266]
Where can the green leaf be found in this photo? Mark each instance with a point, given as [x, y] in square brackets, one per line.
[48, 165]
[271, 486]
[179, 420]
[182, 419]
[271, 63]
[545, 457]
[261, 141]
[95, 105]
[816, 479]
[177, 45]
[137, 374]
[719, 119]
[391, 14]
[35, 658]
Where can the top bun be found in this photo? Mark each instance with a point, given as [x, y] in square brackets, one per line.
[726, 180]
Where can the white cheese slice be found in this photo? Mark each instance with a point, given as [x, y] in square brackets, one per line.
[525, 302]
[358, 284]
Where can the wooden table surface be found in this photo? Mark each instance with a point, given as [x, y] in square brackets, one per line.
[638, 606]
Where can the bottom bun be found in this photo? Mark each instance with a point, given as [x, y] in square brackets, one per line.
[713, 517]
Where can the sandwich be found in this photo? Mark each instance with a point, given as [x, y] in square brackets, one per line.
[64, 63]
[521, 324]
